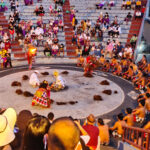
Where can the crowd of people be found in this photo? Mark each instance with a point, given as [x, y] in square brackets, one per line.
[46, 35]
[27, 33]
[27, 131]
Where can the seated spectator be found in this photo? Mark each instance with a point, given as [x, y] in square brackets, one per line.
[16, 16]
[128, 51]
[119, 49]
[5, 37]
[55, 49]
[133, 41]
[39, 31]
[61, 25]
[8, 60]
[109, 49]
[128, 17]
[129, 117]
[40, 40]
[111, 3]
[138, 14]
[51, 9]
[74, 40]
[101, 4]
[50, 117]
[117, 31]
[103, 132]
[22, 120]
[36, 130]
[143, 10]
[147, 106]
[139, 112]
[12, 5]
[28, 2]
[7, 123]
[61, 49]
[138, 4]
[3, 6]
[133, 4]
[118, 126]
[123, 6]
[11, 19]
[47, 49]
[11, 31]
[92, 131]
[128, 4]
[70, 131]
[36, 11]
[88, 24]
[41, 11]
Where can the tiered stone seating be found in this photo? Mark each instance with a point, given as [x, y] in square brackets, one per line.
[26, 13]
[86, 10]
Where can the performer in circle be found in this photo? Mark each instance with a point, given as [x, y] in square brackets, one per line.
[31, 55]
[90, 64]
[59, 84]
[42, 96]
[34, 81]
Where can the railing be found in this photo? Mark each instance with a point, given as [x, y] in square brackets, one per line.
[146, 14]
[137, 137]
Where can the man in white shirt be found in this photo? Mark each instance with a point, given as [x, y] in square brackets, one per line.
[39, 31]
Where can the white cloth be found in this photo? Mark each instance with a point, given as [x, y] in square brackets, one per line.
[39, 31]
[85, 138]
[34, 80]
[60, 81]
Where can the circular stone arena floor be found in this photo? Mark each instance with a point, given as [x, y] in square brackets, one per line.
[80, 89]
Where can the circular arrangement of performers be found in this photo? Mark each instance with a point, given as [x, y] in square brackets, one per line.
[42, 95]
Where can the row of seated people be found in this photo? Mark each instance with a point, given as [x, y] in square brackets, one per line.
[26, 33]
[113, 47]
[103, 3]
[131, 4]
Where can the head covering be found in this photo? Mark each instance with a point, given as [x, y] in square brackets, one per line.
[7, 123]
[56, 73]
[91, 118]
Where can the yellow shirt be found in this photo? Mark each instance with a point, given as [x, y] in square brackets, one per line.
[128, 2]
[104, 133]
[138, 3]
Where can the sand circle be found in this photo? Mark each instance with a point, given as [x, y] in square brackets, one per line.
[80, 89]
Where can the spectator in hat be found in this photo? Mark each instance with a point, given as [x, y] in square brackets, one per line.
[7, 123]
[93, 132]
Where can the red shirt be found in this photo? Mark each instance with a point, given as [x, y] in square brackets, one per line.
[93, 132]
[143, 10]
[7, 45]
